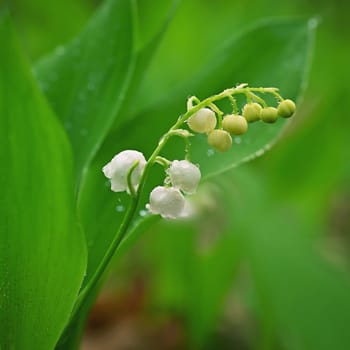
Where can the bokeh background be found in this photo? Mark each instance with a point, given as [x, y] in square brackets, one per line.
[266, 264]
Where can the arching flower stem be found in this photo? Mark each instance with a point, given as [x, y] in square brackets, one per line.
[129, 181]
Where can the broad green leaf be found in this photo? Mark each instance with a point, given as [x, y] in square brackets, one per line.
[86, 80]
[71, 337]
[302, 295]
[43, 255]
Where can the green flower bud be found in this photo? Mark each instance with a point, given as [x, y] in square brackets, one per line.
[220, 140]
[286, 108]
[252, 112]
[235, 124]
[269, 115]
[203, 121]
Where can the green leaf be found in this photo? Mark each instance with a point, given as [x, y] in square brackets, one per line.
[43, 257]
[86, 80]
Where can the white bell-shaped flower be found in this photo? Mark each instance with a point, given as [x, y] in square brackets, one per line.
[169, 202]
[184, 175]
[117, 170]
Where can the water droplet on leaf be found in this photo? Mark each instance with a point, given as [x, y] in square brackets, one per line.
[119, 208]
[210, 152]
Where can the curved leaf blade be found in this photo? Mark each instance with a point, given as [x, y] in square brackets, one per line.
[43, 257]
[86, 80]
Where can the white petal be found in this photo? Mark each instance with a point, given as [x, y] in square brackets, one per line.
[107, 170]
[166, 201]
[184, 175]
[117, 169]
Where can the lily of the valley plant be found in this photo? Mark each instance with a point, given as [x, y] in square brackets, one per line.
[128, 170]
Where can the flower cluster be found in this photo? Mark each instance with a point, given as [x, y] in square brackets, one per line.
[128, 169]
[168, 200]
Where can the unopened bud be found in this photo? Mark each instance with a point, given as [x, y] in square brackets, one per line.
[220, 140]
[269, 115]
[286, 108]
[251, 112]
[235, 124]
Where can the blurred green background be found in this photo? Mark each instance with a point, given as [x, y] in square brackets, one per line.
[266, 265]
